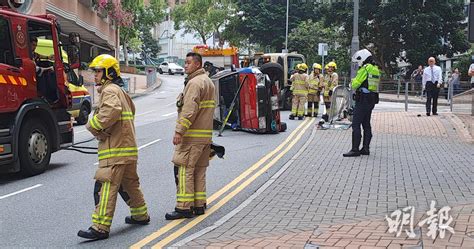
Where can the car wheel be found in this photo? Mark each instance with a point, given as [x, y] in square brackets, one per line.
[182, 73]
[170, 73]
[160, 71]
[34, 147]
[83, 115]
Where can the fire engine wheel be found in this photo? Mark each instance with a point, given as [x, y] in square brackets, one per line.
[35, 148]
[83, 115]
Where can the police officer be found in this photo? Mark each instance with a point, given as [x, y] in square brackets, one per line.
[299, 88]
[366, 86]
[315, 80]
[112, 124]
[192, 138]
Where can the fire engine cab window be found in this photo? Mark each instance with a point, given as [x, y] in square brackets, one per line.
[42, 32]
[6, 49]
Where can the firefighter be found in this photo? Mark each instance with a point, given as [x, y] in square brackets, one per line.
[112, 124]
[192, 138]
[314, 91]
[299, 88]
[330, 82]
[366, 85]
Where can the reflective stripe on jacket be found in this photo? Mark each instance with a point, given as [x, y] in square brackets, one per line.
[112, 123]
[299, 85]
[314, 82]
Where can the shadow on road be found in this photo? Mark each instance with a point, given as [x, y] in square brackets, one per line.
[12, 177]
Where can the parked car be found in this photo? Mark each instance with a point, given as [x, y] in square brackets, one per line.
[170, 68]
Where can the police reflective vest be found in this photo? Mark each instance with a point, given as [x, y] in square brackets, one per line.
[368, 76]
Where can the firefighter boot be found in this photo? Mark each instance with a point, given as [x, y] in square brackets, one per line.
[292, 117]
[354, 152]
[198, 210]
[131, 220]
[179, 214]
[92, 234]
[300, 117]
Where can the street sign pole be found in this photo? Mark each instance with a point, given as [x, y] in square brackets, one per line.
[355, 37]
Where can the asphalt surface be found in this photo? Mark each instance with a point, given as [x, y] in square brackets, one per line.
[61, 200]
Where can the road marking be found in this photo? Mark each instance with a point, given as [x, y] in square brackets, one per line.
[244, 204]
[169, 114]
[21, 191]
[145, 113]
[223, 190]
[231, 195]
[170, 104]
[142, 147]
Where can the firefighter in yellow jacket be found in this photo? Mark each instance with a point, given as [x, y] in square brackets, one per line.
[299, 88]
[112, 124]
[330, 82]
[315, 81]
[192, 138]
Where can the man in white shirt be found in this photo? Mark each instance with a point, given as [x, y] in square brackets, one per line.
[432, 81]
[471, 73]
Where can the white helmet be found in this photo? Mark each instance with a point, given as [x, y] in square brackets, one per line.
[360, 56]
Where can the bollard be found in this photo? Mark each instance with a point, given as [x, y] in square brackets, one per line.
[134, 84]
[398, 88]
[450, 96]
[406, 95]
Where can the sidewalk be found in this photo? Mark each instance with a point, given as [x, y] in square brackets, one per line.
[442, 101]
[137, 85]
[323, 200]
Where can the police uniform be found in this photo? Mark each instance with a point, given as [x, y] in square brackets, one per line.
[366, 85]
[191, 156]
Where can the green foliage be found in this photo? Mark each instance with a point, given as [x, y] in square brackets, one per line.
[204, 18]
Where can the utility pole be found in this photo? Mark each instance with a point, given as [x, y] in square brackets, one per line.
[355, 37]
[286, 36]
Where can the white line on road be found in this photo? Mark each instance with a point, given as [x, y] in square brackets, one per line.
[142, 147]
[170, 104]
[169, 114]
[145, 113]
[20, 191]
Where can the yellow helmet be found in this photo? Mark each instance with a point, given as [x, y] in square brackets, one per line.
[303, 67]
[332, 64]
[107, 62]
[298, 66]
[317, 66]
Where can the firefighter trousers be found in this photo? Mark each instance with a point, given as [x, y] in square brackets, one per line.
[190, 165]
[123, 179]
[313, 105]
[297, 109]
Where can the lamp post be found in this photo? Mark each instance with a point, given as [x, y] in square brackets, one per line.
[286, 35]
[355, 37]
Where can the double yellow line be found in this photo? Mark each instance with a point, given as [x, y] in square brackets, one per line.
[289, 142]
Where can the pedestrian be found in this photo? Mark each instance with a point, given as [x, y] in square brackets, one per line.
[432, 81]
[417, 77]
[314, 91]
[330, 82]
[192, 138]
[455, 81]
[112, 124]
[366, 87]
[299, 88]
[471, 71]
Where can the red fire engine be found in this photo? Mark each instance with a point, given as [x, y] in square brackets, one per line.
[34, 99]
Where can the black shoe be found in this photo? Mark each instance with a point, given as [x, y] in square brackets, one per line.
[92, 234]
[131, 220]
[292, 117]
[307, 115]
[364, 151]
[300, 117]
[198, 210]
[351, 153]
[179, 214]
[315, 115]
[435, 113]
[428, 114]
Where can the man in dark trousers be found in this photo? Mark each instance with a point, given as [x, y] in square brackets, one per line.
[366, 87]
[432, 81]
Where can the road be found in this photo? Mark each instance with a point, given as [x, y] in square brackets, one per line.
[47, 210]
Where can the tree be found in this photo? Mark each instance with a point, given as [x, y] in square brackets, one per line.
[204, 18]
[150, 46]
[306, 37]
